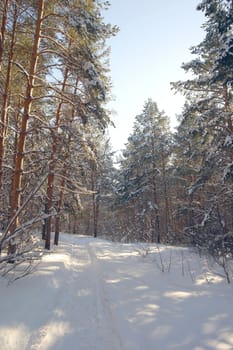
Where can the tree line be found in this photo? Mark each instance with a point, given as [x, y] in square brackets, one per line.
[57, 169]
[54, 90]
[178, 187]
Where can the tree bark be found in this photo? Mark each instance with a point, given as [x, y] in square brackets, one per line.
[18, 171]
[156, 234]
[63, 181]
[166, 200]
[3, 30]
[228, 110]
[52, 166]
[230, 132]
[5, 96]
[59, 207]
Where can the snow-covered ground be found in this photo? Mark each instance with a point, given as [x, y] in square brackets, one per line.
[96, 295]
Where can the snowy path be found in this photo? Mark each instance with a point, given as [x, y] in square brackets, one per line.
[97, 295]
[80, 311]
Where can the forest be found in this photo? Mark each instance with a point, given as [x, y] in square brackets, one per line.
[58, 172]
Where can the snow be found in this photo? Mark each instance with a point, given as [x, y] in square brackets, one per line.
[92, 294]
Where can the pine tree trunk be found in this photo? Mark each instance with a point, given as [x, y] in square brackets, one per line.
[64, 174]
[166, 202]
[156, 234]
[230, 132]
[44, 223]
[18, 168]
[228, 110]
[52, 166]
[95, 215]
[3, 30]
[5, 95]
[57, 228]
[59, 206]
[95, 201]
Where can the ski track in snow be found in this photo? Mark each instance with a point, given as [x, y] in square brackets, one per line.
[105, 319]
[97, 329]
[91, 294]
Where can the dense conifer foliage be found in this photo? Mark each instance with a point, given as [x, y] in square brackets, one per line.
[57, 170]
[54, 89]
[179, 188]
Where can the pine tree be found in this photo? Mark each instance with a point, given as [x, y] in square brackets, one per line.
[55, 82]
[86, 73]
[207, 123]
[144, 180]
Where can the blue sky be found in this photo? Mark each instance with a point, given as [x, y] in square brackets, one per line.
[146, 55]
